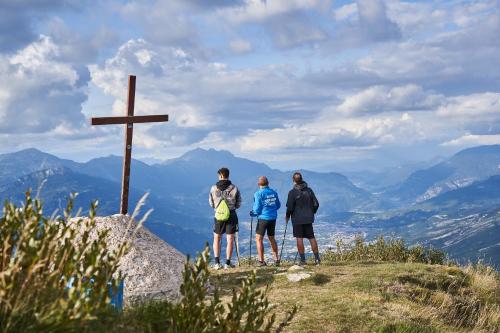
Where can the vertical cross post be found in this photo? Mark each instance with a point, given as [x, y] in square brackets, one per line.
[129, 121]
[127, 156]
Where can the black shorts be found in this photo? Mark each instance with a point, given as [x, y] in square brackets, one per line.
[265, 225]
[303, 231]
[227, 227]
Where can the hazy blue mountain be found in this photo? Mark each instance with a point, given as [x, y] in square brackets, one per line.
[481, 193]
[462, 169]
[461, 215]
[464, 222]
[179, 187]
[24, 162]
[58, 182]
[388, 177]
[193, 173]
[188, 179]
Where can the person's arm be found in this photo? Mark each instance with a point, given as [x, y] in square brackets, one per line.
[257, 204]
[238, 198]
[211, 199]
[315, 202]
[290, 205]
[278, 203]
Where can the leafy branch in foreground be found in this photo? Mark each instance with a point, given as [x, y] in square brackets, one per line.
[53, 275]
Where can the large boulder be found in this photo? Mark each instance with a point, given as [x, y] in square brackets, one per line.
[153, 268]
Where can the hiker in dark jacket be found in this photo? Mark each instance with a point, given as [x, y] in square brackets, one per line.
[224, 189]
[301, 207]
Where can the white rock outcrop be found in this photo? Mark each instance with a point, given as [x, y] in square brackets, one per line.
[297, 273]
[296, 277]
[295, 268]
[153, 268]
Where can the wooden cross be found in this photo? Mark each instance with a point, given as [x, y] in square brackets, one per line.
[129, 121]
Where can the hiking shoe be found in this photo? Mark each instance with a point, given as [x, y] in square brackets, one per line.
[317, 262]
[261, 264]
[217, 266]
[277, 262]
[302, 263]
[228, 266]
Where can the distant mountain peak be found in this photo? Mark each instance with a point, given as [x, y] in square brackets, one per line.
[200, 153]
[27, 152]
[31, 159]
[30, 151]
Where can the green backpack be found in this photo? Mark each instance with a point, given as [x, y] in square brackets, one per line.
[222, 211]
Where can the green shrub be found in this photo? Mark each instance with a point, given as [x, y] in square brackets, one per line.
[39, 257]
[382, 249]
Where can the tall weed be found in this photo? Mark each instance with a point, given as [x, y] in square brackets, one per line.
[382, 249]
[47, 280]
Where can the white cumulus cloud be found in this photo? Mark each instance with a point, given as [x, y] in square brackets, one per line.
[39, 92]
[378, 99]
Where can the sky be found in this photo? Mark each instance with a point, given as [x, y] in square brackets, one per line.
[317, 84]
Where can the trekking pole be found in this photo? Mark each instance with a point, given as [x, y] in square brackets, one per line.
[283, 242]
[251, 229]
[237, 247]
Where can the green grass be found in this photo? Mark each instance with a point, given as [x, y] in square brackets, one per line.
[378, 297]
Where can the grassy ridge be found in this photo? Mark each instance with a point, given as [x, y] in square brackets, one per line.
[382, 297]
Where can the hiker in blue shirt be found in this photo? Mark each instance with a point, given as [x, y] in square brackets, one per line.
[265, 207]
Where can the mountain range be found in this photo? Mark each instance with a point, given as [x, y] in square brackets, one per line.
[453, 204]
[464, 222]
[461, 170]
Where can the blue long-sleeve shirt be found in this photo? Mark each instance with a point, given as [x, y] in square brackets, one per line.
[266, 204]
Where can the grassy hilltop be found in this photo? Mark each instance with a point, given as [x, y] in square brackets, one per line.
[381, 297]
[55, 278]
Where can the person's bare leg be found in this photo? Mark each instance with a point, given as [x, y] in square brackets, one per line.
[260, 246]
[314, 248]
[229, 248]
[314, 245]
[274, 247]
[216, 245]
[300, 245]
[300, 250]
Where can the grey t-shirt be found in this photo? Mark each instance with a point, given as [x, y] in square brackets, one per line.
[231, 194]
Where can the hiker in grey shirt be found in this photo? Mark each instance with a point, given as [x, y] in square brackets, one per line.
[225, 189]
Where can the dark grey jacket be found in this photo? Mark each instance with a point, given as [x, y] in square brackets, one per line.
[302, 204]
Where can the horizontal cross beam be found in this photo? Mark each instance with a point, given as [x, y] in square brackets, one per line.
[129, 119]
